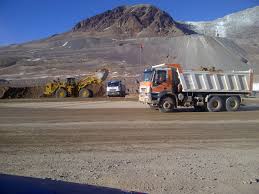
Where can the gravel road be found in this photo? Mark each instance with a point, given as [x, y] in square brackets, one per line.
[125, 145]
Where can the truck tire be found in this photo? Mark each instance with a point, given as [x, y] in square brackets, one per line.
[85, 93]
[232, 103]
[215, 104]
[61, 93]
[167, 105]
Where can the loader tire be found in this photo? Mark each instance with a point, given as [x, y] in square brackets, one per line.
[61, 93]
[215, 104]
[232, 103]
[85, 93]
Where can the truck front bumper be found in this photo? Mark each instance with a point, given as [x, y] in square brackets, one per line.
[145, 98]
[149, 99]
[114, 93]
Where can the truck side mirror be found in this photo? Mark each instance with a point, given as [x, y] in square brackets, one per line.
[157, 82]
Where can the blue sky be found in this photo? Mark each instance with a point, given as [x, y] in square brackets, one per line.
[25, 20]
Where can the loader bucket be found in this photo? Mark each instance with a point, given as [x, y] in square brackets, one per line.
[102, 74]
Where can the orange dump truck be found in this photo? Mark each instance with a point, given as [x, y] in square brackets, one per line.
[168, 86]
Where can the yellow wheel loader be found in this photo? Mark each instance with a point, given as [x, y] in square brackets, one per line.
[86, 87]
[60, 89]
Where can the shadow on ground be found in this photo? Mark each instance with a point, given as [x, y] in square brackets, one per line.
[10, 184]
[250, 107]
[243, 107]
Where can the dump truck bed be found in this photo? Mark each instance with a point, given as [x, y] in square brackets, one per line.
[219, 82]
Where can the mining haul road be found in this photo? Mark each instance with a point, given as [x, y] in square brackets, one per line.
[123, 144]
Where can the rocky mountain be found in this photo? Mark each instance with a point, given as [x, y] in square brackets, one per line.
[132, 21]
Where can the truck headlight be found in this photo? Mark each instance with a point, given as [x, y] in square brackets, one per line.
[148, 90]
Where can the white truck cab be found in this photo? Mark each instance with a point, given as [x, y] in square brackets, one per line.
[115, 88]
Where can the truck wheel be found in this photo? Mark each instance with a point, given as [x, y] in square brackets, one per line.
[215, 104]
[61, 93]
[85, 93]
[166, 105]
[232, 103]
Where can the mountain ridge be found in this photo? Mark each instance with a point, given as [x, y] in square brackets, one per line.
[142, 20]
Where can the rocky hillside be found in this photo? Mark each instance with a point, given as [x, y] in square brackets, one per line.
[132, 21]
[243, 24]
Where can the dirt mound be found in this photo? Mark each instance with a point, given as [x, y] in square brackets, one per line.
[23, 92]
[241, 27]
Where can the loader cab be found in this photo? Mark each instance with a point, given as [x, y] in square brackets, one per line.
[71, 81]
[70, 86]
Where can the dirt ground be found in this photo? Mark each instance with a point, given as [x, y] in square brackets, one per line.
[123, 144]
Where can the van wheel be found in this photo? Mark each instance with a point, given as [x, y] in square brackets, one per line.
[232, 103]
[215, 104]
[167, 105]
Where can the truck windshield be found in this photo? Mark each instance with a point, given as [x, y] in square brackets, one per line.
[148, 75]
[113, 84]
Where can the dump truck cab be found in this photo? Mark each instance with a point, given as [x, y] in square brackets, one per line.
[157, 81]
